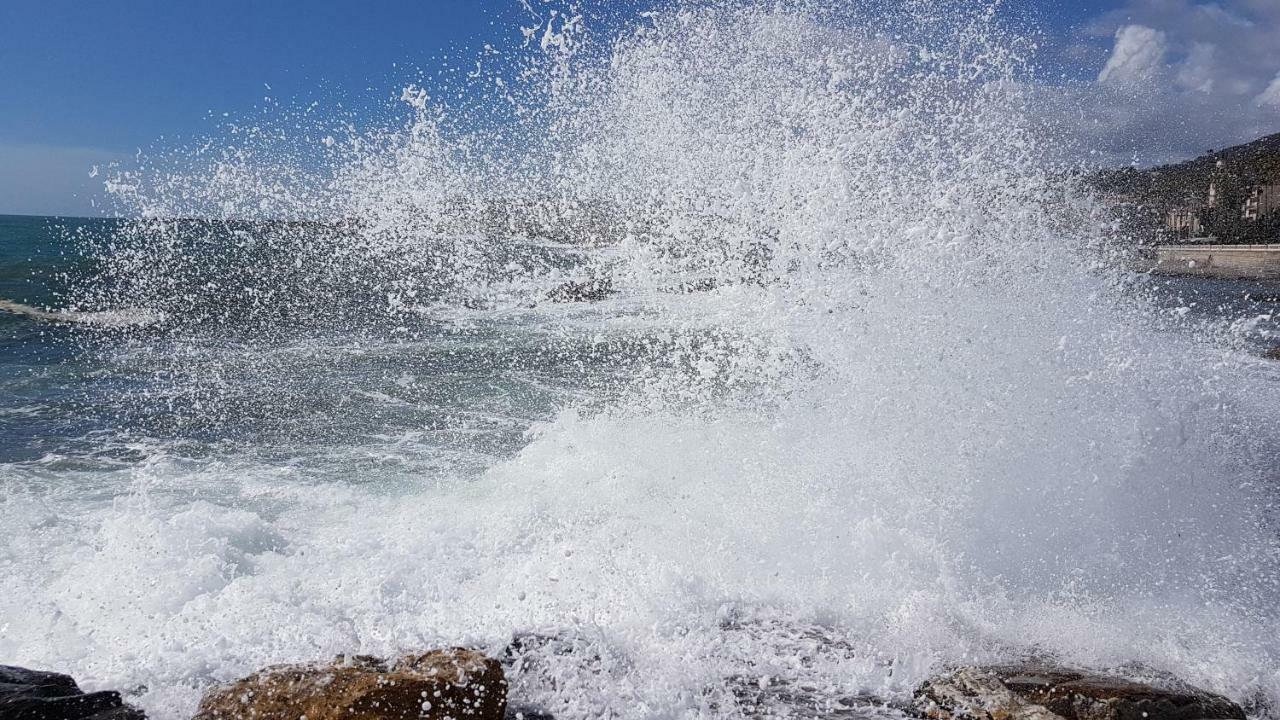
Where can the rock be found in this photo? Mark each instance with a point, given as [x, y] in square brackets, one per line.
[1273, 353]
[456, 683]
[34, 695]
[538, 664]
[768, 697]
[1029, 692]
[758, 638]
[528, 713]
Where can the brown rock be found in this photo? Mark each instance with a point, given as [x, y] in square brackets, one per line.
[1049, 693]
[456, 683]
[1273, 353]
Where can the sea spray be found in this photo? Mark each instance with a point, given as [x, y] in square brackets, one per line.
[866, 398]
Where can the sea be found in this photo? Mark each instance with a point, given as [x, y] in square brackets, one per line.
[761, 366]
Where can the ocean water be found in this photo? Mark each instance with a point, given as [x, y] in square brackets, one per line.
[864, 388]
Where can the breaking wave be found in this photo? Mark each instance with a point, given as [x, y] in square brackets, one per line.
[863, 390]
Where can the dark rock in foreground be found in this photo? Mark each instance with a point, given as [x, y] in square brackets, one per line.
[1049, 693]
[765, 697]
[528, 713]
[33, 695]
[457, 684]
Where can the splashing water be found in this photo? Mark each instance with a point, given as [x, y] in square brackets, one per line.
[868, 393]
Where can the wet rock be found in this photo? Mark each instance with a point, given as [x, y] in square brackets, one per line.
[592, 290]
[528, 713]
[1273, 353]
[768, 697]
[531, 644]
[34, 695]
[1051, 693]
[456, 683]
[551, 671]
[784, 669]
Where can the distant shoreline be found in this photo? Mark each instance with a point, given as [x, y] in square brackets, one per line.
[26, 216]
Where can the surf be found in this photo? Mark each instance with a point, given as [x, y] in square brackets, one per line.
[124, 317]
[907, 406]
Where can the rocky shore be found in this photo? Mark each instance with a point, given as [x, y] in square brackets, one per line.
[463, 684]
[1031, 692]
[438, 685]
[34, 695]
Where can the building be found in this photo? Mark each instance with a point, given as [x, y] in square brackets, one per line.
[1262, 201]
[1184, 222]
[1213, 185]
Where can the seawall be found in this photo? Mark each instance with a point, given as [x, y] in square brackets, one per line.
[1247, 262]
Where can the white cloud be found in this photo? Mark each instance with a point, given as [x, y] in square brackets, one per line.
[1180, 78]
[1198, 71]
[1271, 96]
[1218, 14]
[1137, 57]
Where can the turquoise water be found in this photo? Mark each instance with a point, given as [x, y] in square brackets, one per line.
[89, 397]
[64, 384]
[42, 378]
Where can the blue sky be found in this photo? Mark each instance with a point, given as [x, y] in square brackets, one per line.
[83, 83]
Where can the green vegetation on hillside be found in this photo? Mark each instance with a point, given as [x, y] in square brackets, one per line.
[1151, 193]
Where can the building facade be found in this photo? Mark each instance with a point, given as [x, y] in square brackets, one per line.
[1184, 222]
[1261, 202]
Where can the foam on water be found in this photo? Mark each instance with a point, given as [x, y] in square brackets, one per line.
[913, 415]
[129, 317]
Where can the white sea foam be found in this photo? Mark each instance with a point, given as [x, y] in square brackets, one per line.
[127, 317]
[911, 417]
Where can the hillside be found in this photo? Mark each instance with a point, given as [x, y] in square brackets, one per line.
[1154, 191]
